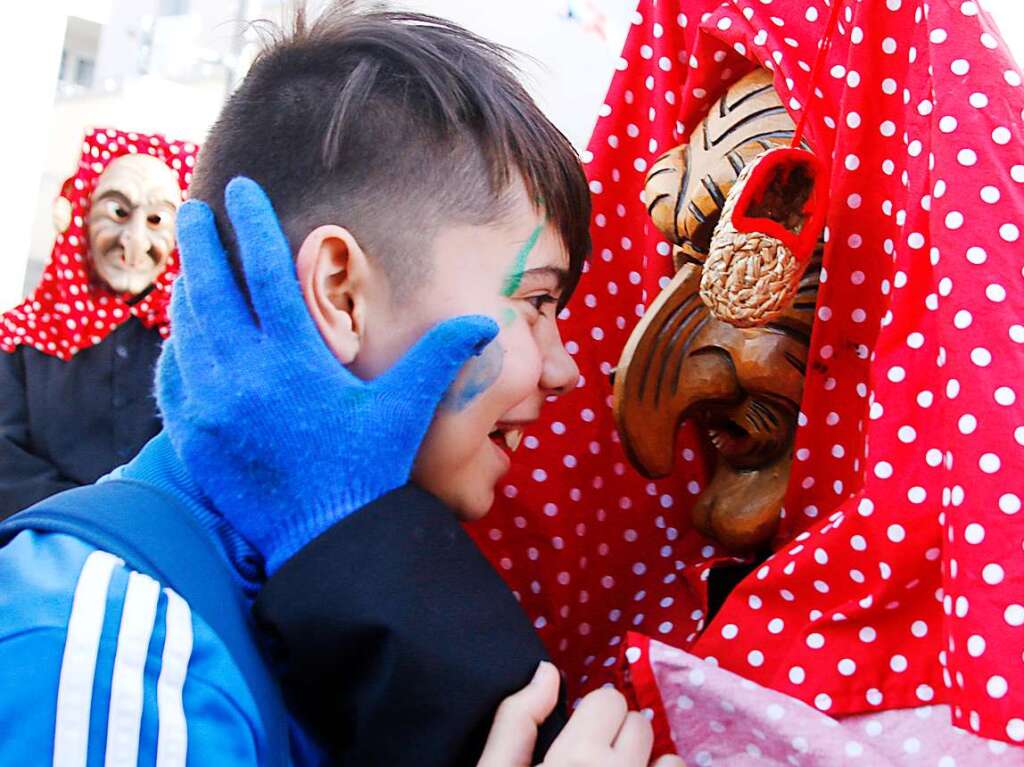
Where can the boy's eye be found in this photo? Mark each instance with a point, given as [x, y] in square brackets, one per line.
[539, 302]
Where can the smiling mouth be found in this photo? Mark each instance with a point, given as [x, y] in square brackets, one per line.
[509, 438]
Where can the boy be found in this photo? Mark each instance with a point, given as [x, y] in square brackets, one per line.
[414, 181]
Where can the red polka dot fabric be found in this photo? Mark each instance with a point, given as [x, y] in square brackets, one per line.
[897, 578]
[68, 312]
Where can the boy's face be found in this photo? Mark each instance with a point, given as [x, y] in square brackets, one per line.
[512, 272]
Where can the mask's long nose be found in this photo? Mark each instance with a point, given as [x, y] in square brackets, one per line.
[657, 383]
[135, 242]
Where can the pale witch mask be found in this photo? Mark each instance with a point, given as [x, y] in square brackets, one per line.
[741, 385]
[131, 222]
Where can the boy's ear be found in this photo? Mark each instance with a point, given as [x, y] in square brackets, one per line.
[333, 271]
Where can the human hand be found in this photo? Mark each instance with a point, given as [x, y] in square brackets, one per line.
[275, 431]
[602, 732]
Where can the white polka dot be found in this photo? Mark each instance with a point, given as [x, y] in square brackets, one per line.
[1015, 730]
[996, 686]
[1014, 615]
[847, 667]
[1009, 503]
[896, 533]
[730, 630]
[974, 533]
[823, 701]
[815, 641]
[992, 574]
[1009, 232]
[975, 645]
[990, 194]
[874, 696]
[898, 663]
[989, 463]
[995, 293]
[967, 157]
[981, 356]
[797, 675]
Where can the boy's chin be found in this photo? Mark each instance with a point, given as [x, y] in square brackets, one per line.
[474, 505]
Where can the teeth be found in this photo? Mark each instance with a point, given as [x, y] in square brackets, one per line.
[513, 438]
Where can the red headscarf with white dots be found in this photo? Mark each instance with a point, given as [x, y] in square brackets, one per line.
[898, 574]
[68, 311]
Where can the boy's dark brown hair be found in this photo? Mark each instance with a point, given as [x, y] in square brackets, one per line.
[391, 124]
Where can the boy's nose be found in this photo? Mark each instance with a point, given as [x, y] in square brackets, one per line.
[560, 373]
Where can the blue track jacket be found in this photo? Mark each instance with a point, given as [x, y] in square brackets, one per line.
[100, 665]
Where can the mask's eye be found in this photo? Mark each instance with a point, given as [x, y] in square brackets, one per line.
[119, 212]
[154, 219]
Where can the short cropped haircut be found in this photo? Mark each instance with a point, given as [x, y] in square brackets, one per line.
[392, 125]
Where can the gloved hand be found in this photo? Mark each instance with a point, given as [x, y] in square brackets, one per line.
[270, 425]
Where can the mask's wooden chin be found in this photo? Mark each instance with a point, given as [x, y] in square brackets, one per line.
[741, 508]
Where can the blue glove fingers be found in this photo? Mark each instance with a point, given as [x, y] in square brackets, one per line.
[267, 262]
[210, 288]
[431, 365]
[170, 389]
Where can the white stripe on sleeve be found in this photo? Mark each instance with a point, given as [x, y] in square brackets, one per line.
[78, 667]
[124, 719]
[172, 740]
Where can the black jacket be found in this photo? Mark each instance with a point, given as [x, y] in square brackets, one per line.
[64, 424]
[395, 640]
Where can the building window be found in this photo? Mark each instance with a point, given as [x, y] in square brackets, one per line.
[172, 8]
[84, 72]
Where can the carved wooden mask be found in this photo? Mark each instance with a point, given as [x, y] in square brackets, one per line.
[742, 386]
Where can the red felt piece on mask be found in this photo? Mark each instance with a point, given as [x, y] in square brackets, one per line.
[778, 167]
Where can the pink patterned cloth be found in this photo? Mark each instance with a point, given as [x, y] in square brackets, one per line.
[719, 718]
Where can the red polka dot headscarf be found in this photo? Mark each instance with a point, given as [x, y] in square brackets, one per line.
[897, 578]
[68, 311]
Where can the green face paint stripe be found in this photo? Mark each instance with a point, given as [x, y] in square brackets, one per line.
[508, 317]
[513, 280]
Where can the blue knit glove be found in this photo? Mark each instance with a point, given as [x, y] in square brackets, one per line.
[271, 426]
